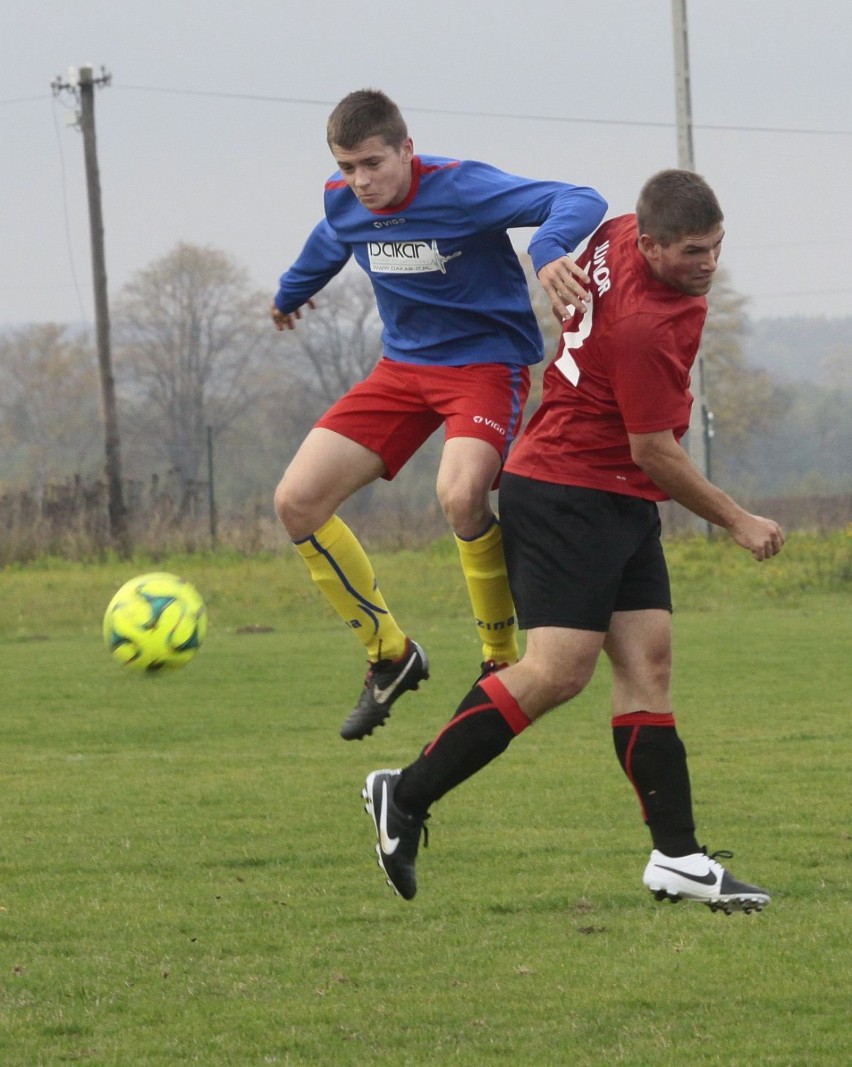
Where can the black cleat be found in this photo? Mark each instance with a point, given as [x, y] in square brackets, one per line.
[699, 877]
[398, 832]
[385, 681]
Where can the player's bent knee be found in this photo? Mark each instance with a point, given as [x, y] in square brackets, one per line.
[299, 514]
[281, 502]
[558, 687]
[468, 513]
[566, 689]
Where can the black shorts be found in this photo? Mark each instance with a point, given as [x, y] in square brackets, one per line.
[577, 555]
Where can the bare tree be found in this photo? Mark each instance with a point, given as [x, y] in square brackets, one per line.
[193, 336]
[49, 413]
[339, 342]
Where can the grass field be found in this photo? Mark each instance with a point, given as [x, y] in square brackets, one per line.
[187, 874]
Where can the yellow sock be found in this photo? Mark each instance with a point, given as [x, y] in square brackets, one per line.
[484, 568]
[340, 567]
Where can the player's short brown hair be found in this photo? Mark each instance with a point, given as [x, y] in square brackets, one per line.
[363, 114]
[674, 203]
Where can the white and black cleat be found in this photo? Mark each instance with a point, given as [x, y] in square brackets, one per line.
[700, 877]
[397, 832]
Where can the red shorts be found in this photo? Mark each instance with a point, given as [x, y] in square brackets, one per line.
[398, 406]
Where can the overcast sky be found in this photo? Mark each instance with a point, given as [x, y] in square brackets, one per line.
[212, 131]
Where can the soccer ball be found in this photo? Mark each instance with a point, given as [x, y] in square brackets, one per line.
[154, 621]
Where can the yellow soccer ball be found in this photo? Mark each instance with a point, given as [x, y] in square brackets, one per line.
[155, 621]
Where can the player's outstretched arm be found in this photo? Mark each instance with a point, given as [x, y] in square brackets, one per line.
[669, 467]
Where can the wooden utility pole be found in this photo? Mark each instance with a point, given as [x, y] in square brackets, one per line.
[700, 419]
[683, 91]
[82, 84]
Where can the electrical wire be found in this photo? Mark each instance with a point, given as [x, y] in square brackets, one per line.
[490, 114]
[66, 217]
[218, 94]
[461, 113]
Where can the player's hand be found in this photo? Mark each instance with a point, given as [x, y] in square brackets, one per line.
[287, 321]
[566, 285]
[764, 538]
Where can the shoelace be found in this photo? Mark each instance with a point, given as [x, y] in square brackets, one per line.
[721, 853]
[489, 667]
[382, 664]
[423, 827]
[375, 668]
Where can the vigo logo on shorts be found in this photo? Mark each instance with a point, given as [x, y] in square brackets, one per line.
[483, 420]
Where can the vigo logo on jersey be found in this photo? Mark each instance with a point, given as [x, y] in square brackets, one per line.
[406, 257]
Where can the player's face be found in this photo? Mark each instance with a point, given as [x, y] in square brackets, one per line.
[378, 174]
[687, 265]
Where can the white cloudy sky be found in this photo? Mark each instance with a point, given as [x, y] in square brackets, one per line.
[212, 130]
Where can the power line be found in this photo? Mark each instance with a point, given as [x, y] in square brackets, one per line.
[492, 114]
[22, 99]
[66, 216]
[461, 113]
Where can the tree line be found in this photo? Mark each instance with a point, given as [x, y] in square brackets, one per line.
[198, 364]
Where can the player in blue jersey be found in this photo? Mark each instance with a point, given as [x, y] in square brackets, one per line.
[459, 336]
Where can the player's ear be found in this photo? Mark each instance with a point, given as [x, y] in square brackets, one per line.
[407, 150]
[646, 243]
[649, 246]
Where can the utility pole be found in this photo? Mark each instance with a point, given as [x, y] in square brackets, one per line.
[683, 91]
[82, 84]
[701, 419]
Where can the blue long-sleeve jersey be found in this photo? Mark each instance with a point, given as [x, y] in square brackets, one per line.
[448, 284]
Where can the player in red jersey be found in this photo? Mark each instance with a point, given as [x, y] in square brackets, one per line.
[582, 537]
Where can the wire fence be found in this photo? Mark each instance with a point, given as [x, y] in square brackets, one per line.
[70, 520]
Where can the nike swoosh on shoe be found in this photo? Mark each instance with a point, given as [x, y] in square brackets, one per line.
[703, 879]
[388, 844]
[381, 695]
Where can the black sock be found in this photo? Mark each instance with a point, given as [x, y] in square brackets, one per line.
[654, 759]
[476, 734]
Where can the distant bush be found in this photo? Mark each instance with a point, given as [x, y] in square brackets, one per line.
[69, 520]
[806, 514]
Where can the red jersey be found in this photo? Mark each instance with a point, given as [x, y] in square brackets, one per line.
[622, 366]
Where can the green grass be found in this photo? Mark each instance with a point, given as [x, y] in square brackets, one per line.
[186, 874]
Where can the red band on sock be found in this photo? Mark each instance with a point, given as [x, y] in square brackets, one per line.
[644, 718]
[454, 722]
[634, 721]
[505, 703]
